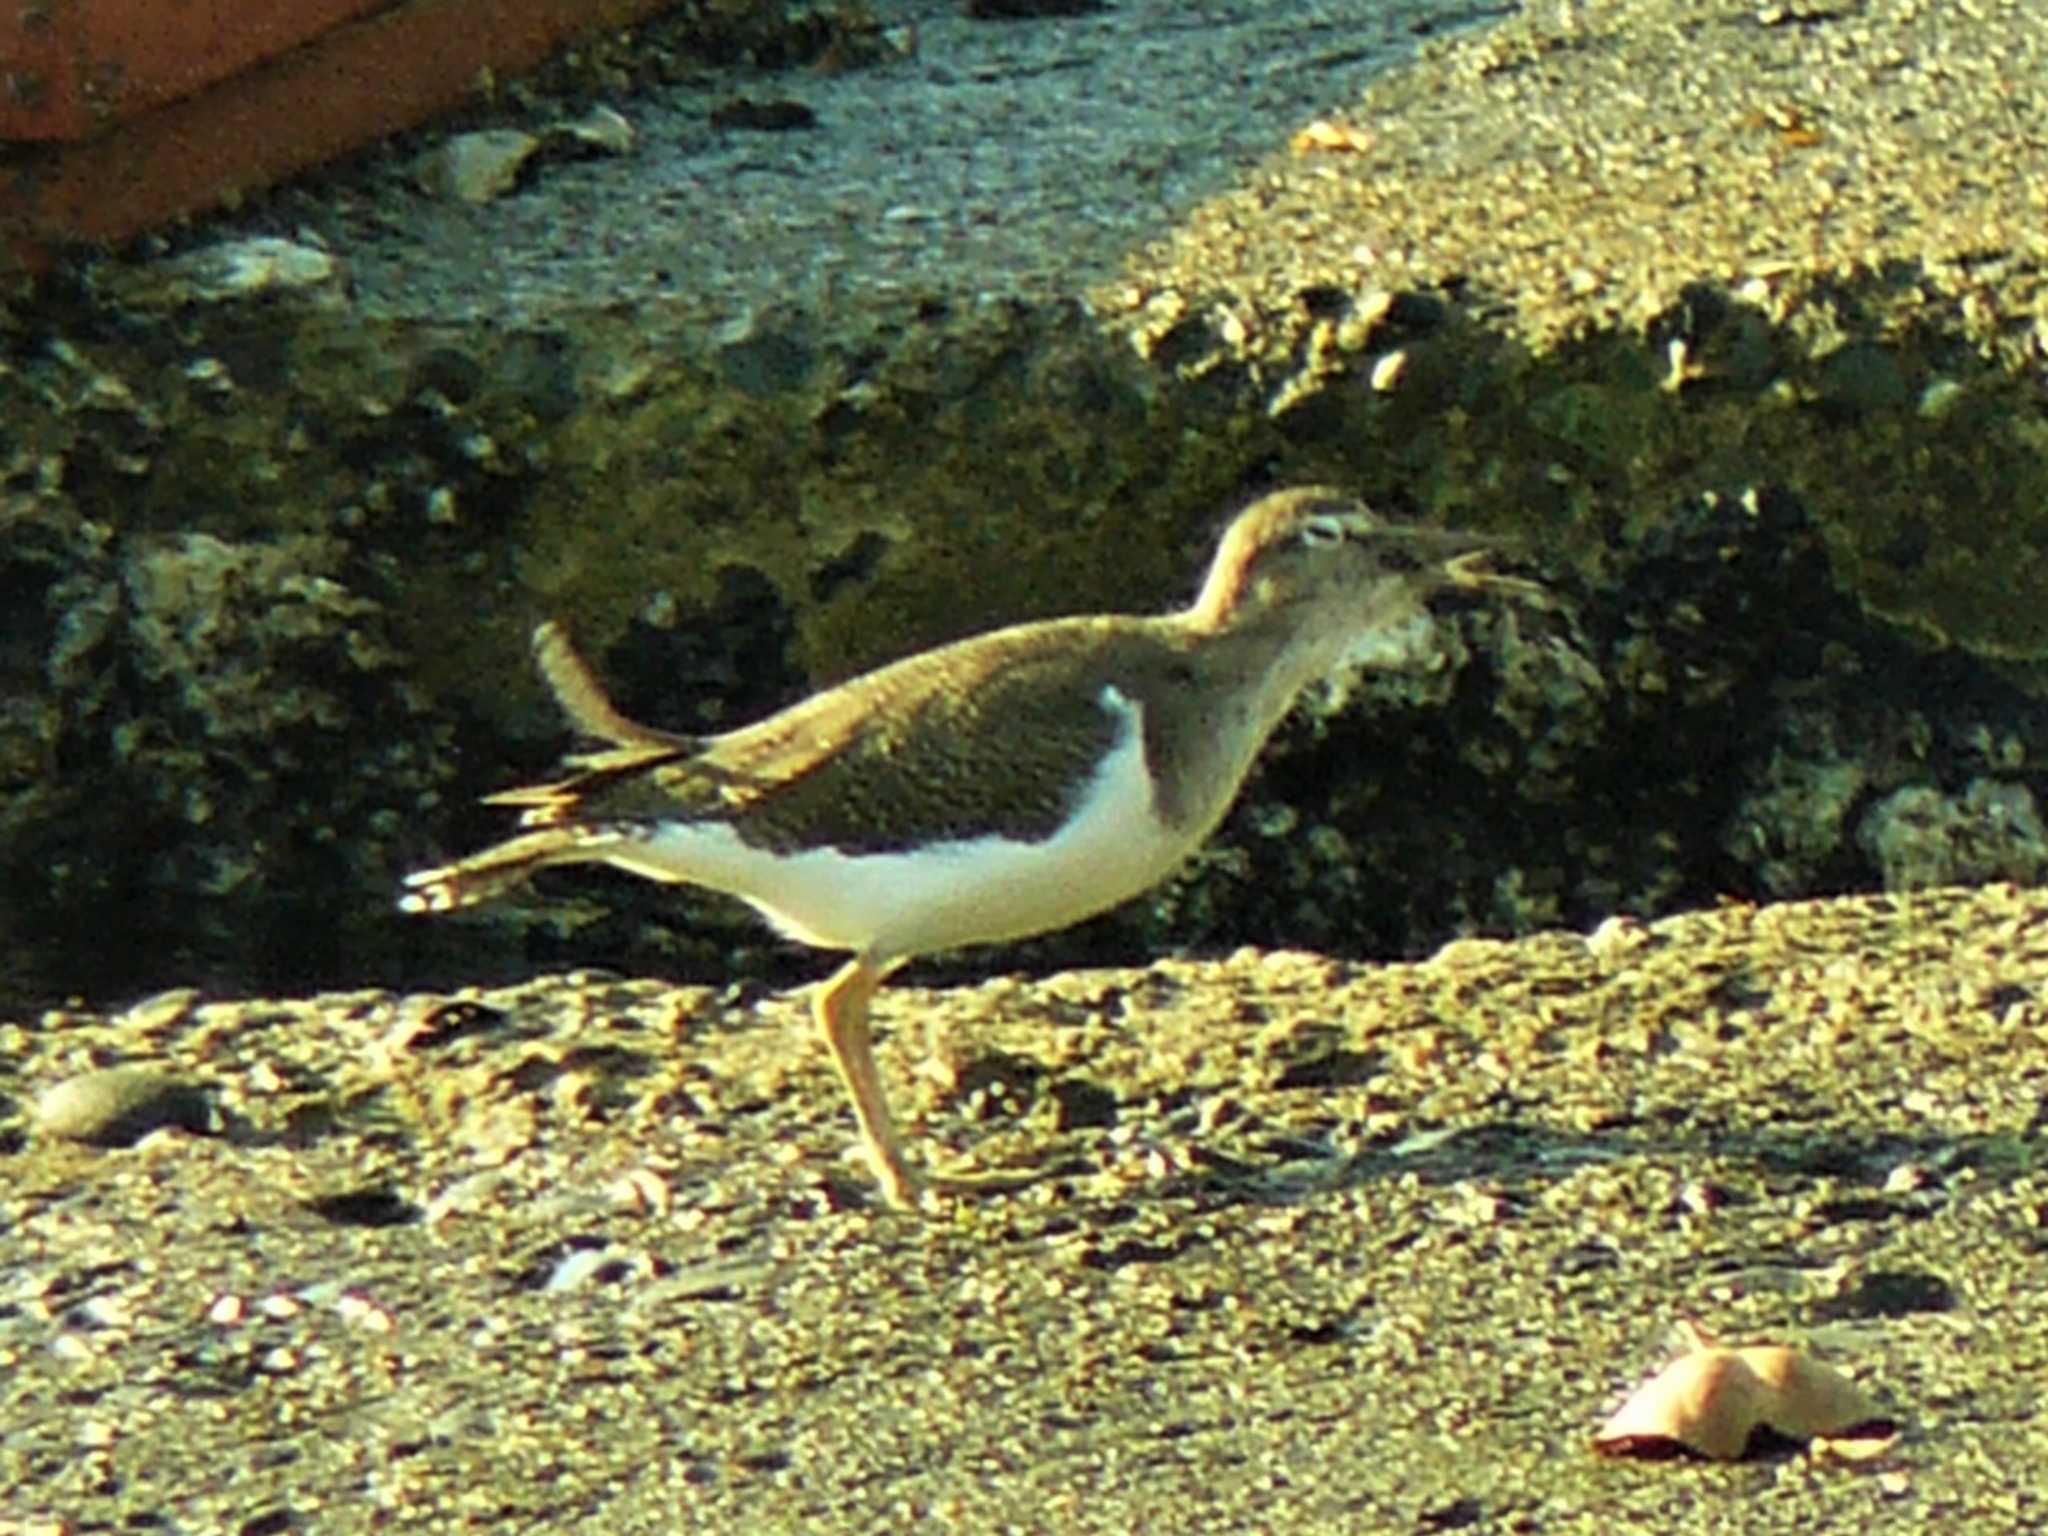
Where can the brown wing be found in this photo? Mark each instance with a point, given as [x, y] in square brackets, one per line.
[1000, 730]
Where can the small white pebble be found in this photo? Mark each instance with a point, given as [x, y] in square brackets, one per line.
[643, 1190]
[361, 1312]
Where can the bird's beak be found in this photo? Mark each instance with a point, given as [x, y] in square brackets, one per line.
[1470, 572]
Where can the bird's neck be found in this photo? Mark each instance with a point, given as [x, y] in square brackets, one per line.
[1278, 648]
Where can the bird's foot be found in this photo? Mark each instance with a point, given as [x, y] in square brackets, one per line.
[975, 1183]
[905, 1189]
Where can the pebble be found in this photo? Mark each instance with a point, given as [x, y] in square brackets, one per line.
[475, 167]
[601, 128]
[229, 271]
[118, 1106]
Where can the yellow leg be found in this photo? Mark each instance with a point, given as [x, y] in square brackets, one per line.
[841, 1008]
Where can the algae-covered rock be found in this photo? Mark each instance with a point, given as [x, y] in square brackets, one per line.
[1922, 837]
[212, 751]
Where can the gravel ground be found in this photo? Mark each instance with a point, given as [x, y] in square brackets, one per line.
[999, 159]
[1583, 164]
[1575, 163]
[1317, 1246]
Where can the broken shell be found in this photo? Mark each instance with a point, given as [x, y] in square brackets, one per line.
[1325, 136]
[1712, 1400]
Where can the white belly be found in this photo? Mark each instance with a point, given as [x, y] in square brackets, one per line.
[973, 891]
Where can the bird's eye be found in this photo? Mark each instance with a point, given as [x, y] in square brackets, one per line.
[1322, 532]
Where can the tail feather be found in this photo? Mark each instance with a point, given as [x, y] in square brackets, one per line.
[552, 810]
[495, 870]
[634, 747]
[559, 801]
[583, 699]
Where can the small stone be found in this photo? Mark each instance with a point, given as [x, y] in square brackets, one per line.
[642, 1190]
[1939, 398]
[246, 267]
[118, 1106]
[600, 128]
[475, 167]
[229, 271]
[160, 1011]
[1906, 1178]
[1616, 938]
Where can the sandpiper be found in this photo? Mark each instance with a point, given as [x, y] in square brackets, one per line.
[1001, 786]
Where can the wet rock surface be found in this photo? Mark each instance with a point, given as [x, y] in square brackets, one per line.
[1317, 1244]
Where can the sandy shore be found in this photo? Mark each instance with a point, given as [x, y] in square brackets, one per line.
[1317, 1246]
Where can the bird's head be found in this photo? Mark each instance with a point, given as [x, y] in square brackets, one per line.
[1299, 554]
